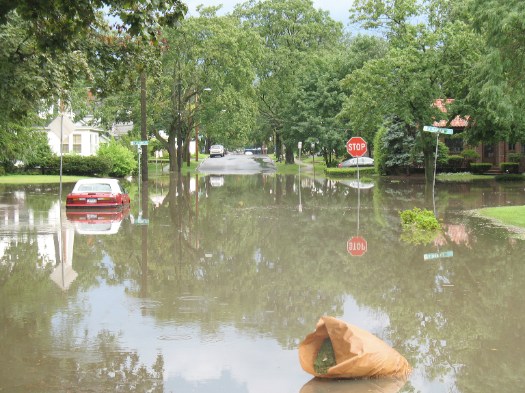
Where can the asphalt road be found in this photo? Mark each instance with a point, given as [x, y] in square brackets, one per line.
[237, 164]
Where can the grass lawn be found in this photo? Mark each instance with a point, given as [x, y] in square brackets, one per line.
[462, 176]
[507, 215]
[38, 179]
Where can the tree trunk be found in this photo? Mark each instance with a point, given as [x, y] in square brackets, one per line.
[289, 157]
[428, 157]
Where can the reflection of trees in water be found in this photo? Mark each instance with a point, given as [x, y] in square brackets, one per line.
[246, 256]
[37, 357]
[106, 367]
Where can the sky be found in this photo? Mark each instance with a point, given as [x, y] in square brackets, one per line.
[338, 9]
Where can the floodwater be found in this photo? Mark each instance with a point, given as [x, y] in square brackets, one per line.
[209, 283]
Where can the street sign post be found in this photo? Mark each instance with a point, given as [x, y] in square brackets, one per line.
[356, 146]
[139, 143]
[356, 246]
[437, 130]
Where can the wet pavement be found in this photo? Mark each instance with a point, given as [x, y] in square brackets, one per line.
[209, 283]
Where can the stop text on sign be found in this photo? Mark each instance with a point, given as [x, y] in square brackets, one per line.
[356, 246]
[356, 146]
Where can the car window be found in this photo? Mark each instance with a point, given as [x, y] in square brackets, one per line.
[95, 187]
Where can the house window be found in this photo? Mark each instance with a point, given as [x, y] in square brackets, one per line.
[65, 145]
[523, 148]
[512, 146]
[77, 143]
[455, 145]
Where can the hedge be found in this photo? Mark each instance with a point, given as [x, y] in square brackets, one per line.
[349, 172]
[77, 165]
[479, 167]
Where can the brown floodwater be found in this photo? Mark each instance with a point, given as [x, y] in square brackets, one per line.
[209, 284]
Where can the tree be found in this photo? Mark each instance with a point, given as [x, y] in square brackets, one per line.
[293, 31]
[49, 46]
[496, 99]
[205, 82]
[425, 61]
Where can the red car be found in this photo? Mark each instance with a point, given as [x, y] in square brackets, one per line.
[96, 193]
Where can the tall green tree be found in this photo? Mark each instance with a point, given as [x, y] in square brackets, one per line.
[496, 98]
[293, 31]
[426, 61]
[206, 81]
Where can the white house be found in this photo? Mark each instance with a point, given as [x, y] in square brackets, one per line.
[78, 138]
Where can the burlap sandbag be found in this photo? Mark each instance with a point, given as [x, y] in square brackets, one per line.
[358, 353]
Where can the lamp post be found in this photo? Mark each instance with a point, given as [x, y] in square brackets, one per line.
[197, 125]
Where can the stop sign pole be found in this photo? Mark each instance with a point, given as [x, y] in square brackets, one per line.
[357, 147]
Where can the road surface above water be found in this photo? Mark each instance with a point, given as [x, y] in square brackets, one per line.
[238, 164]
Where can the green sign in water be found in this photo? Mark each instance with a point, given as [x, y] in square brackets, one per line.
[448, 131]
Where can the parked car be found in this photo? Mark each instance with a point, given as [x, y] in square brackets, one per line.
[351, 162]
[96, 193]
[217, 150]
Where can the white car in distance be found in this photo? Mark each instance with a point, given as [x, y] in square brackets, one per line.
[217, 150]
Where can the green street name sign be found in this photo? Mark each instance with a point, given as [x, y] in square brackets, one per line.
[437, 255]
[139, 143]
[448, 131]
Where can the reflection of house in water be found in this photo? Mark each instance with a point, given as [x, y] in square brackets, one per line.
[54, 241]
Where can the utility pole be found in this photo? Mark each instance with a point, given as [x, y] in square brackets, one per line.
[143, 127]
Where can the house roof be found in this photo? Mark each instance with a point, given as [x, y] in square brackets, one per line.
[456, 122]
[66, 125]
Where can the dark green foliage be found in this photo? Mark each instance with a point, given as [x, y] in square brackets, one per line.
[515, 157]
[394, 148]
[77, 165]
[325, 357]
[510, 167]
[509, 177]
[455, 163]
[479, 167]
[470, 155]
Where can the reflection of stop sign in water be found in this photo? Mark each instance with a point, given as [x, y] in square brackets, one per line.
[356, 246]
[356, 146]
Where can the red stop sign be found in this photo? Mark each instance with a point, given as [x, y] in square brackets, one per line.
[356, 146]
[356, 246]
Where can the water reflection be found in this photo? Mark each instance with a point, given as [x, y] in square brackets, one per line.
[225, 279]
[376, 385]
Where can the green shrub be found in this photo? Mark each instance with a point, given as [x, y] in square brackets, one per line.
[515, 157]
[123, 161]
[349, 172]
[419, 226]
[419, 218]
[455, 161]
[77, 165]
[479, 167]
[470, 155]
[510, 167]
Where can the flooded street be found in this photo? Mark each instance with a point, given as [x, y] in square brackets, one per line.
[209, 284]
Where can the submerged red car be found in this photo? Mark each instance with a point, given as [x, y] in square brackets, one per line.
[96, 193]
